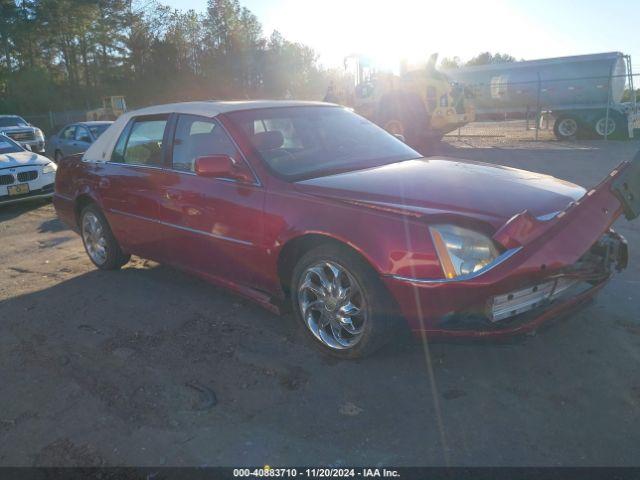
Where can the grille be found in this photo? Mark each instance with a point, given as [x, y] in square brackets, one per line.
[21, 135]
[27, 176]
[6, 179]
[519, 301]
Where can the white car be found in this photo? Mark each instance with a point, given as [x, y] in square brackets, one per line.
[24, 175]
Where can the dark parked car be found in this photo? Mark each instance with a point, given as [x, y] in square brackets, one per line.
[74, 138]
[311, 207]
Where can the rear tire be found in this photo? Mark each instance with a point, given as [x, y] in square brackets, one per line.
[99, 243]
[329, 315]
[617, 125]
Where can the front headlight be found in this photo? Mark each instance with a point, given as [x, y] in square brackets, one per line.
[462, 251]
[49, 168]
[39, 134]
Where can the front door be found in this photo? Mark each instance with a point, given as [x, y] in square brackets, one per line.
[211, 225]
[66, 139]
[81, 140]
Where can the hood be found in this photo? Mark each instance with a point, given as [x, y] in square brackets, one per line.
[439, 185]
[21, 159]
[16, 128]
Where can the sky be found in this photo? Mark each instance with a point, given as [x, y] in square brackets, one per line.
[412, 29]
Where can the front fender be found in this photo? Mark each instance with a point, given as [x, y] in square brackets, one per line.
[393, 244]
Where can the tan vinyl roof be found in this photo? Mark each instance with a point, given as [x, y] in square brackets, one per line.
[214, 108]
[101, 149]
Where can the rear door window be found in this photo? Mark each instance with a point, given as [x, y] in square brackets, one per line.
[141, 142]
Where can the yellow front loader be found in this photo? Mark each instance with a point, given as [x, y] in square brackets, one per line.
[112, 108]
[419, 104]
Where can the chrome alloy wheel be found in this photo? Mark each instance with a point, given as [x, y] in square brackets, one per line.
[332, 305]
[94, 240]
[568, 127]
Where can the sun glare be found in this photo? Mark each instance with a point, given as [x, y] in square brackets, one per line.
[409, 29]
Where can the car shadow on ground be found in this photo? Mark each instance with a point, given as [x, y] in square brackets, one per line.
[8, 212]
[218, 380]
[52, 226]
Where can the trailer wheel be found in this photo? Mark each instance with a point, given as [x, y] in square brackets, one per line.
[614, 128]
[566, 127]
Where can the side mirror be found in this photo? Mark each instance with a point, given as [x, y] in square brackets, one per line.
[400, 137]
[218, 166]
[27, 147]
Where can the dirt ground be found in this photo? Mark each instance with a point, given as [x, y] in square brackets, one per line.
[148, 366]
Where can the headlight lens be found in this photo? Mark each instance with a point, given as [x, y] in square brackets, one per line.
[39, 134]
[49, 168]
[462, 251]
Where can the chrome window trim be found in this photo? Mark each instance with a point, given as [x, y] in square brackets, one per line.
[256, 179]
[503, 257]
[172, 170]
[180, 227]
[137, 165]
[235, 144]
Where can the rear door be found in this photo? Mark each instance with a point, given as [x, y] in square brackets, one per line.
[211, 225]
[130, 185]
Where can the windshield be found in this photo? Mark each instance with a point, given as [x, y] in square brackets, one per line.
[307, 142]
[9, 146]
[13, 121]
[98, 130]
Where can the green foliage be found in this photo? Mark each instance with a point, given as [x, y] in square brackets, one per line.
[627, 96]
[448, 63]
[487, 58]
[68, 54]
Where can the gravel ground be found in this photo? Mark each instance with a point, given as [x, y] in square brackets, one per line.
[148, 366]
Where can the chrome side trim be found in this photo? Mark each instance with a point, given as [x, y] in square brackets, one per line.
[462, 278]
[63, 196]
[181, 227]
[182, 172]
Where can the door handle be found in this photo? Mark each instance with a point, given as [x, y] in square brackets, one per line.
[104, 183]
[173, 195]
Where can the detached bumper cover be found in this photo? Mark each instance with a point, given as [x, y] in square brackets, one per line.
[560, 263]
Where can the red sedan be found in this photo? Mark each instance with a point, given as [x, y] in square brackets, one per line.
[310, 206]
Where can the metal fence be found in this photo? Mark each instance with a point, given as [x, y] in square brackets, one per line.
[52, 122]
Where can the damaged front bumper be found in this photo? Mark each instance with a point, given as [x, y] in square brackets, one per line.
[554, 265]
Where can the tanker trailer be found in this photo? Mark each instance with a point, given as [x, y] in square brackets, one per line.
[574, 90]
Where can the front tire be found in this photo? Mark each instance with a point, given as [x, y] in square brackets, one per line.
[404, 114]
[566, 127]
[341, 303]
[99, 243]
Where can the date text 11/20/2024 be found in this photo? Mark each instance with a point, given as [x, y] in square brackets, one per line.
[268, 471]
